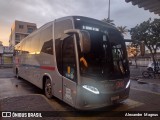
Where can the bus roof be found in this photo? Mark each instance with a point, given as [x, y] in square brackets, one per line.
[92, 20]
[88, 19]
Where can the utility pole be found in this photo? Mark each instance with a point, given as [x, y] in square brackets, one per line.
[109, 10]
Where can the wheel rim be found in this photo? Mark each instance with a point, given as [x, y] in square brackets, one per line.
[48, 90]
[145, 74]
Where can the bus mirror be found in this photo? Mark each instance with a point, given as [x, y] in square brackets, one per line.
[142, 48]
[85, 42]
[84, 39]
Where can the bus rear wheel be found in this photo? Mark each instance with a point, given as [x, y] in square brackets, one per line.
[48, 89]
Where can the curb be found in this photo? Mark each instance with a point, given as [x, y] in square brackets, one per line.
[136, 78]
[141, 81]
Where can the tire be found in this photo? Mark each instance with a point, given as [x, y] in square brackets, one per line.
[145, 74]
[48, 88]
[150, 69]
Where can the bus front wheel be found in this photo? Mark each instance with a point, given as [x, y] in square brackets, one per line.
[48, 88]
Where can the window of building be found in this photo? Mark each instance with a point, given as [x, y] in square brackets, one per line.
[17, 37]
[20, 26]
[30, 30]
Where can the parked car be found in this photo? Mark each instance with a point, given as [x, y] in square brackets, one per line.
[150, 66]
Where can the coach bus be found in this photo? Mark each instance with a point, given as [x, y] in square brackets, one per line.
[80, 60]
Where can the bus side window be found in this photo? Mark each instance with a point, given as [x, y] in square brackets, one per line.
[69, 58]
[46, 41]
[48, 47]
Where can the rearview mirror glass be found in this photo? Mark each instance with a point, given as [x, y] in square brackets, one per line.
[85, 42]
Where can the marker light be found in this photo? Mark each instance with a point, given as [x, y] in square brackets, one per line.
[91, 89]
[128, 84]
[78, 19]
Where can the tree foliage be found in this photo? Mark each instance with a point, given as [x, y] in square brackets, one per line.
[133, 51]
[149, 32]
[108, 21]
[123, 29]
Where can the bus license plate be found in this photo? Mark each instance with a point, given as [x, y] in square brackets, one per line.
[114, 98]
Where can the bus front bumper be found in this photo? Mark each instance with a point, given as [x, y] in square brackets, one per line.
[89, 100]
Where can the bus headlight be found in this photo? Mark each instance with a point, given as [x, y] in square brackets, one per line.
[91, 89]
[128, 84]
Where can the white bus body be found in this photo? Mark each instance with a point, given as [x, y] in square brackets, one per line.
[81, 61]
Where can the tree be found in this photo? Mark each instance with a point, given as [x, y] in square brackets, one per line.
[133, 51]
[123, 29]
[149, 32]
[108, 21]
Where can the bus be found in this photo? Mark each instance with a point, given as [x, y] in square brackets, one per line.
[79, 60]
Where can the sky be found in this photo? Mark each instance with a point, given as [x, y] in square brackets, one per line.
[43, 11]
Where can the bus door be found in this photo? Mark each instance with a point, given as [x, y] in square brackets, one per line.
[69, 70]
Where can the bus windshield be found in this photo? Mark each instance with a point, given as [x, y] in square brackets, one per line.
[107, 59]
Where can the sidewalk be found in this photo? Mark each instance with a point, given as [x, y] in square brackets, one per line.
[136, 74]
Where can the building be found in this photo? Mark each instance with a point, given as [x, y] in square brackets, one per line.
[20, 30]
[144, 60]
[151, 5]
[1, 52]
[6, 56]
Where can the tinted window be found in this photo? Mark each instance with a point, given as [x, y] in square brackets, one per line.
[48, 47]
[35, 44]
[60, 26]
[107, 58]
[69, 58]
[27, 45]
[46, 41]
[23, 47]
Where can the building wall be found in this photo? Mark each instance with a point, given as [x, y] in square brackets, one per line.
[1, 49]
[22, 27]
[19, 31]
[7, 59]
[144, 61]
[0, 59]
[141, 62]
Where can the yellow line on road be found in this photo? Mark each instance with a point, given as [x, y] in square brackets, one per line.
[146, 91]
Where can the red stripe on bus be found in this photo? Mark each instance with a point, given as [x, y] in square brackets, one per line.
[47, 68]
